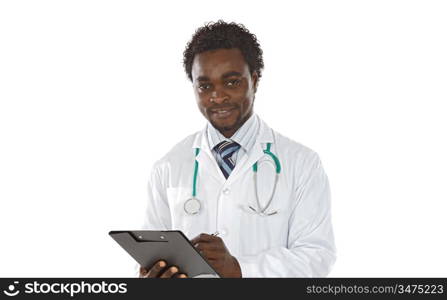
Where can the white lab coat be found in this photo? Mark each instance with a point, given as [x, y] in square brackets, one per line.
[296, 242]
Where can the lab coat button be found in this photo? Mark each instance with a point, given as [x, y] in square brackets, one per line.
[226, 191]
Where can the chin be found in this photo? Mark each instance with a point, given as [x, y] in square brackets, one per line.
[224, 126]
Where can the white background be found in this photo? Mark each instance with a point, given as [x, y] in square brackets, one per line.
[93, 92]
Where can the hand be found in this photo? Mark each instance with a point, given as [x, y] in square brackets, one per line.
[160, 270]
[214, 250]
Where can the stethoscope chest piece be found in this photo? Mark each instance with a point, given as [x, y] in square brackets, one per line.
[192, 206]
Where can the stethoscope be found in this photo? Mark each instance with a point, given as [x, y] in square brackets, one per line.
[192, 206]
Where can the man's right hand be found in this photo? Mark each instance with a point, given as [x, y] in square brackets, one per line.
[160, 270]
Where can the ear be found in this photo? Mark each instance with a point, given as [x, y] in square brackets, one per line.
[254, 79]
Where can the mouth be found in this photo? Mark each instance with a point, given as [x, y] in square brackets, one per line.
[222, 113]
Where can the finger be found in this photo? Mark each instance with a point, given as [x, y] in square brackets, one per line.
[211, 250]
[143, 272]
[210, 241]
[170, 272]
[203, 237]
[181, 275]
[156, 269]
[211, 254]
[209, 246]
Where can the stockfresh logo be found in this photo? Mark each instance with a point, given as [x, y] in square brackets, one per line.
[12, 290]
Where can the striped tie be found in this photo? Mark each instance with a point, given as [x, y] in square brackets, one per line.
[225, 150]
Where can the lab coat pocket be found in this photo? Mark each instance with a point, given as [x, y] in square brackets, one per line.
[262, 231]
[265, 215]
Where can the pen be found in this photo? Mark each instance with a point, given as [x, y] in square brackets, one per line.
[216, 233]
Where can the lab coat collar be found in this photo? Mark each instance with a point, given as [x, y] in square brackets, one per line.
[206, 158]
[265, 135]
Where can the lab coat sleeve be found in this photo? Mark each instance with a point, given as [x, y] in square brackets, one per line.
[157, 215]
[310, 250]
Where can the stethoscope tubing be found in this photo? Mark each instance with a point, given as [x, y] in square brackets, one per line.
[260, 210]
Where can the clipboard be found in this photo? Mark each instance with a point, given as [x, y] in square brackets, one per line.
[147, 247]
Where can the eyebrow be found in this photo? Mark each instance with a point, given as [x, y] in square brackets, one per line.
[231, 73]
[224, 76]
[202, 78]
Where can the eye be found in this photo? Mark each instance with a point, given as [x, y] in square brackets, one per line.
[204, 86]
[233, 83]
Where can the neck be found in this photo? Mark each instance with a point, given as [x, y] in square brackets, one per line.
[228, 133]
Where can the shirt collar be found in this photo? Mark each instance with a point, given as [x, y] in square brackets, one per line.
[245, 136]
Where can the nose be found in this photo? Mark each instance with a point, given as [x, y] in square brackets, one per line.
[218, 97]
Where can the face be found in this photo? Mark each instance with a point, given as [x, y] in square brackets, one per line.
[224, 88]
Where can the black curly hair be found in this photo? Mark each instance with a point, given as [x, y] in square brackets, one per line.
[220, 34]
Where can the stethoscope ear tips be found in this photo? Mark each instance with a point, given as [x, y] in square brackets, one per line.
[251, 207]
[262, 213]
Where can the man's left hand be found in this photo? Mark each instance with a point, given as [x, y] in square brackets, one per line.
[214, 250]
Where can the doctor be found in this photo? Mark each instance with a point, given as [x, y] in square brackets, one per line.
[254, 202]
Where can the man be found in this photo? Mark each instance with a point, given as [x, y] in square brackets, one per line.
[261, 229]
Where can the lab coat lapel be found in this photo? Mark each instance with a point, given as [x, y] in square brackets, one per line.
[207, 162]
[265, 136]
